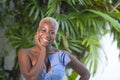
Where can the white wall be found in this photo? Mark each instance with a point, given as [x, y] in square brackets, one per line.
[110, 71]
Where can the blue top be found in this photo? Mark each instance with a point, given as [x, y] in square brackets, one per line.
[58, 61]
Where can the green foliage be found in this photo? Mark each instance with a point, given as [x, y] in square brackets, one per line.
[2, 1]
[82, 23]
[3, 75]
[112, 21]
[20, 34]
[72, 76]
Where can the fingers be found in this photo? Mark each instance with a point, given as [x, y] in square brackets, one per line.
[38, 43]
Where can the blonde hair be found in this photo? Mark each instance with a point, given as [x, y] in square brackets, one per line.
[49, 20]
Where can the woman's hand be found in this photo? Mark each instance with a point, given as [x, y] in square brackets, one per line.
[32, 72]
[37, 42]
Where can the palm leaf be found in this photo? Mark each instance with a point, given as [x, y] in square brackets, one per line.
[111, 20]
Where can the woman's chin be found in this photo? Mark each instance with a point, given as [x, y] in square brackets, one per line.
[45, 44]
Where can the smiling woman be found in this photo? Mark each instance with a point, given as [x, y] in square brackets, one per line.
[43, 61]
[47, 30]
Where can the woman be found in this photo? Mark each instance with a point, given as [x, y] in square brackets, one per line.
[43, 61]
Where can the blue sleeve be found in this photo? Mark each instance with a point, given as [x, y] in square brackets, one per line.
[64, 58]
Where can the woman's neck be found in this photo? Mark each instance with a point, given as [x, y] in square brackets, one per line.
[50, 49]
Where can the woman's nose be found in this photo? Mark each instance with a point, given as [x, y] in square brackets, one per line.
[48, 36]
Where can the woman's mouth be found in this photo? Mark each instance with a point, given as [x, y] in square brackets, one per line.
[45, 40]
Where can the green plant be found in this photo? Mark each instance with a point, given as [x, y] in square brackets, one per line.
[3, 73]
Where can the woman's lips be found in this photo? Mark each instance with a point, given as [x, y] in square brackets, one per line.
[46, 40]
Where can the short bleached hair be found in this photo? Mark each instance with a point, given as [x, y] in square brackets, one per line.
[50, 20]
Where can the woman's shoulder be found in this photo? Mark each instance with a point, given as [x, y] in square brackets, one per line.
[64, 51]
[23, 52]
[56, 51]
[61, 53]
[64, 58]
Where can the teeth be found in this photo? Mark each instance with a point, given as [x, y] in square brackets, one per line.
[45, 40]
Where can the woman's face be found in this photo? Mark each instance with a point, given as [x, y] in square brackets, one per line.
[46, 34]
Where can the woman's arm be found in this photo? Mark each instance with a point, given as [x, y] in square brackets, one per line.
[30, 72]
[76, 65]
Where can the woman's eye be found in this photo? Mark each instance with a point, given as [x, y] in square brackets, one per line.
[52, 32]
[42, 30]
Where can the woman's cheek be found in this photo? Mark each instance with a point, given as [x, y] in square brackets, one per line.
[39, 38]
[53, 41]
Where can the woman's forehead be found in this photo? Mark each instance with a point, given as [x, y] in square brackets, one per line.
[51, 23]
[47, 25]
